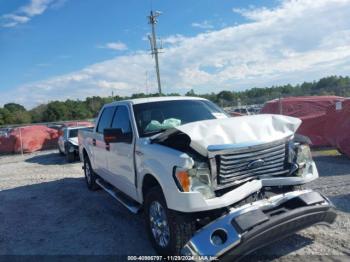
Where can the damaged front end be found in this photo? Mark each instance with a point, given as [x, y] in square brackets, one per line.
[285, 162]
[251, 169]
[252, 226]
[230, 152]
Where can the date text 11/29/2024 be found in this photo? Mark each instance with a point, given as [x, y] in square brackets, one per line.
[172, 258]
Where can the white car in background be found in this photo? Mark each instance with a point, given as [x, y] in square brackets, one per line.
[68, 142]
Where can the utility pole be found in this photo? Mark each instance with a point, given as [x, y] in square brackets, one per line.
[152, 20]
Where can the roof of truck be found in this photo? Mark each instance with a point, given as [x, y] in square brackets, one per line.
[157, 99]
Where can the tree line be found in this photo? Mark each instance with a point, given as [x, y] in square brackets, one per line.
[13, 113]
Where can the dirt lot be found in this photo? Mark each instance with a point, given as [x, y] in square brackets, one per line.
[46, 209]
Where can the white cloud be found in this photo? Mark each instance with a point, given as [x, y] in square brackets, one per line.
[35, 7]
[12, 20]
[112, 85]
[118, 46]
[16, 18]
[172, 39]
[203, 25]
[25, 13]
[299, 40]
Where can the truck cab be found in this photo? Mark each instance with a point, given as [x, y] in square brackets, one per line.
[205, 181]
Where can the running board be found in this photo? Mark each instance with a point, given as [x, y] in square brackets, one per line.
[131, 205]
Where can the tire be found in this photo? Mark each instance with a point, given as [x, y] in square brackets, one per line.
[61, 153]
[70, 157]
[90, 176]
[180, 228]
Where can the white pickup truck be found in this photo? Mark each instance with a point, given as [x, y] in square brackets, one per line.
[208, 184]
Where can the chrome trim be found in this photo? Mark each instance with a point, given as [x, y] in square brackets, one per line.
[276, 171]
[241, 169]
[132, 208]
[264, 177]
[159, 224]
[256, 163]
[268, 168]
[274, 158]
[254, 152]
[214, 150]
[213, 170]
[234, 168]
[275, 152]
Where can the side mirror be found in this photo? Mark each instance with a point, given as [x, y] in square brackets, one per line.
[116, 135]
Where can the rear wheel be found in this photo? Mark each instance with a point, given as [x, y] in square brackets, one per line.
[167, 230]
[90, 176]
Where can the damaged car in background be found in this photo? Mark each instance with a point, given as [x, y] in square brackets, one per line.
[208, 184]
[68, 142]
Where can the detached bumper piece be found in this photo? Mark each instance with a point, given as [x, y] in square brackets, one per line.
[255, 225]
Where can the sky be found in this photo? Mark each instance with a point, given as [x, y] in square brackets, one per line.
[72, 49]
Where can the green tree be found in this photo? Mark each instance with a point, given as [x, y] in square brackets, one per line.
[6, 116]
[13, 113]
[191, 93]
[2, 116]
[55, 111]
[13, 107]
[37, 113]
[77, 110]
[94, 104]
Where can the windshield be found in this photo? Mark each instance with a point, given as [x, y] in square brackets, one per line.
[73, 133]
[155, 117]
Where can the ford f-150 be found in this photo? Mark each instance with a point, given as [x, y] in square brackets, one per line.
[207, 184]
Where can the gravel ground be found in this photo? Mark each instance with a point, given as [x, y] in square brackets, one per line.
[46, 209]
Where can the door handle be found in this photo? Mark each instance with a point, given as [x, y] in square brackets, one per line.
[94, 142]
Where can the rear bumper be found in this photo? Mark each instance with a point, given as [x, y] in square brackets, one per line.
[255, 225]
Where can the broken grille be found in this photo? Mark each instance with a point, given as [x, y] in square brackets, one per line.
[240, 165]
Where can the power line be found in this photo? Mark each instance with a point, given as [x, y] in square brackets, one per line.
[152, 20]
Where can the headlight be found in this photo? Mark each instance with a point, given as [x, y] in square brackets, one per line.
[303, 155]
[303, 159]
[194, 180]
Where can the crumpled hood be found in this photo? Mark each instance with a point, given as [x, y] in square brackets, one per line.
[236, 130]
[73, 141]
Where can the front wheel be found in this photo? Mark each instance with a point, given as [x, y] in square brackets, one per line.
[70, 157]
[60, 151]
[90, 176]
[167, 230]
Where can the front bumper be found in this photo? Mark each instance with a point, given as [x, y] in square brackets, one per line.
[188, 202]
[258, 224]
[71, 148]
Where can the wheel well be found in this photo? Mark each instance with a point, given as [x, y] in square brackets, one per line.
[149, 182]
[85, 154]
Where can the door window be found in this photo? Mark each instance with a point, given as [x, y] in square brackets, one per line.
[105, 119]
[121, 120]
